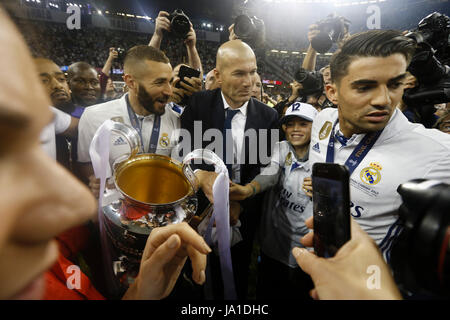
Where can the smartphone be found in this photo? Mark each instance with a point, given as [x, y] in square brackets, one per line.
[331, 207]
[186, 72]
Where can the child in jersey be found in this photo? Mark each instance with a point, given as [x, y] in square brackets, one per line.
[287, 206]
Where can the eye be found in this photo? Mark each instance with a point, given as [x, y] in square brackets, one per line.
[363, 88]
[395, 85]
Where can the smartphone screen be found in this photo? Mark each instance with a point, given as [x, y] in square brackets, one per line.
[331, 208]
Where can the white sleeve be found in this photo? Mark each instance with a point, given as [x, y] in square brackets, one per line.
[441, 169]
[86, 131]
[61, 119]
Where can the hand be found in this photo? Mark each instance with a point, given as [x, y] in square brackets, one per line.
[345, 276]
[239, 192]
[162, 23]
[313, 32]
[113, 54]
[295, 86]
[186, 90]
[232, 35]
[94, 185]
[164, 256]
[206, 181]
[191, 38]
[235, 212]
[307, 186]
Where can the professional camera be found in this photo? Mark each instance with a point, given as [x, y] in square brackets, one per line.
[434, 29]
[250, 30]
[179, 23]
[420, 257]
[432, 75]
[312, 81]
[332, 29]
[121, 53]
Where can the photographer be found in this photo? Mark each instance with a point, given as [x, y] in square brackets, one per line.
[104, 76]
[163, 24]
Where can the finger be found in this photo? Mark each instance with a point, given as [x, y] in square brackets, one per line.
[198, 263]
[313, 293]
[183, 230]
[310, 222]
[164, 254]
[308, 240]
[163, 14]
[309, 262]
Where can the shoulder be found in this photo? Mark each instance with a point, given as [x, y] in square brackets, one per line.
[263, 108]
[103, 111]
[205, 96]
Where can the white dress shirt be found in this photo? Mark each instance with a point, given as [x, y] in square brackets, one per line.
[237, 131]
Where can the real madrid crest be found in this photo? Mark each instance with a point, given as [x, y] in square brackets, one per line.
[288, 160]
[371, 175]
[325, 130]
[164, 141]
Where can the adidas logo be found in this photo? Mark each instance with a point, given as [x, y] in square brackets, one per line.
[119, 141]
[316, 147]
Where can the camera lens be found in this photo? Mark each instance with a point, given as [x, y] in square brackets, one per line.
[243, 27]
[180, 24]
[322, 42]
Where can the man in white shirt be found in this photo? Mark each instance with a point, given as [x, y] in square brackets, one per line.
[147, 75]
[381, 148]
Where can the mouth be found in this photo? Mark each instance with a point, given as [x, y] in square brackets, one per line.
[60, 95]
[162, 101]
[89, 95]
[377, 116]
[33, 291]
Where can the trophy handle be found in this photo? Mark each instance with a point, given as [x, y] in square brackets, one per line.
[200, 154]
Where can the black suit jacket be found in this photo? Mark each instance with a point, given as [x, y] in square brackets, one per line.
[207, 107]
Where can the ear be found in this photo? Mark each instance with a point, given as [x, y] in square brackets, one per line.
[217, 75]
[332, 93]
[283, 126]
[130, 82]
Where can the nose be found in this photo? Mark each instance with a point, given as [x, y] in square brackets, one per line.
[248, 80]
[167, 89]
[55, 200]
[381, 97]
[55, 84]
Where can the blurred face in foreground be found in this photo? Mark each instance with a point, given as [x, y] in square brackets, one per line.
[40, 199]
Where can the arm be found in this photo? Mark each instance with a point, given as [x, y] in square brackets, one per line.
[72, 130]
[193, 57]
[162, 23]
[108, 64]
[309, 63]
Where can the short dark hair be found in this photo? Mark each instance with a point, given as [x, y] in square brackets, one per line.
[139, 54]
[373, 43]
[78, 66]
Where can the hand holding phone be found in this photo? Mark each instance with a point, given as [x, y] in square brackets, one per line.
[186, 72]
[331, 208]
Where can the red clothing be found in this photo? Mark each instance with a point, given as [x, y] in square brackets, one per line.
[70, 243]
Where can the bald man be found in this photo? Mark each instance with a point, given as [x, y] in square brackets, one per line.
[211, 81]
[232, 107]
[84, 83]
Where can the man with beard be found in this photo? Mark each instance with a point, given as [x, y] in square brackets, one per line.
[85, 86]
[147, 74]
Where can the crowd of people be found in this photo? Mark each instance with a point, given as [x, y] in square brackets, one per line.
[353, 115]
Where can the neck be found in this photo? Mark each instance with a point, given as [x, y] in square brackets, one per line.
[233, 104]
[136, 105]
[347, 128]
[301, 151]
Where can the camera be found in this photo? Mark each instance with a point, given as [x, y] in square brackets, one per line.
[332, 29]
[433, 75]
[312, 81]
[434, 29]
[179, 23]
[121, 53]
[420, 256]
[250, 30]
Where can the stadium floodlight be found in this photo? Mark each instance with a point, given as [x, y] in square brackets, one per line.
[99, 12]
[283, 51]
[274, 50]
[209, 25]
[295, 52]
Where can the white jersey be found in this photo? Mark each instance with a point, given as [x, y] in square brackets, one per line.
[286, 206]
[116, 110]
[60, 123]
[404, 151]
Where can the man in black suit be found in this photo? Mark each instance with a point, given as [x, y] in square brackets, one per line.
[231, 107]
